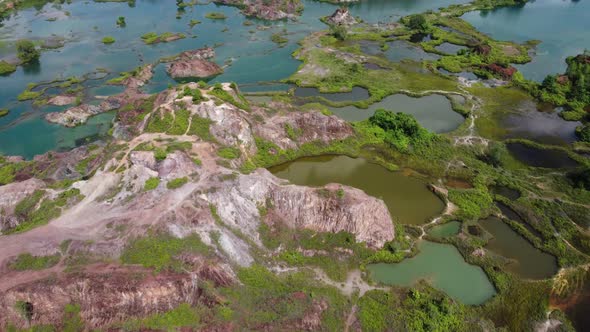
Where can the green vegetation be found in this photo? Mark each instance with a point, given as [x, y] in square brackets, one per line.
[159, 123]
[215, 16]
[417, 22]
[26, 51]
[28, 95]
[35, 210]
[571, 89]
[161, 251]
[200, 127]
[279, 38]
[176, 183]
[229, 152]
[121, 22]
[29, 262]
[226, 96]
[583, 132]
[180, 124]
[108, 40]
[153, 38]
[419, 311]
[196, 95]
[192, 23]
[151, 184]
[4, 112]
[6, 68]
[339, 32]
[400, 129]
[183, 316]
[266, 299]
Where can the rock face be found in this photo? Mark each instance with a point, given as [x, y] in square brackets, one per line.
[341, 17]
[325, 129]
[333, 208]
[194, 64]
[109, 294]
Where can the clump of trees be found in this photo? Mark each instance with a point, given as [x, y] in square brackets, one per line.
[417, 22]
[26, 51]
[400, 129]
[339, 32]
[121, 22]
[571, 89]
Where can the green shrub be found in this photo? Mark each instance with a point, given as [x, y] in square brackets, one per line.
[151, 183]
[176, 183]
[121, 22]
[26, 51]
[160, 154]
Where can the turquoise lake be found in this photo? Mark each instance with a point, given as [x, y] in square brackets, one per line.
[557, 23]
[248, 50]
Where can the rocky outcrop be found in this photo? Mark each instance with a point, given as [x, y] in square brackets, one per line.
[194, 64]
[61, 100]
[110, 294]
[341, 17]
[78, 115]
[333, 208]
[293, 129]
[271, 10]
[10, 196]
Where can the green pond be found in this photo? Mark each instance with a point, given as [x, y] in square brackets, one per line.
[558, 24]
[443, 267]
[251, 55]
[408, 198]
[445, 230]
[528, 261]
[433, 112]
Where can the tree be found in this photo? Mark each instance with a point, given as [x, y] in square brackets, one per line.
[339, 32]
[418, 22]
[121, 22]
[26, 51]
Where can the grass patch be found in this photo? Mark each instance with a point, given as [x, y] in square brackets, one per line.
[176, 183]
[160, 251]
[151, 184]
[27, 261]
[229, 153]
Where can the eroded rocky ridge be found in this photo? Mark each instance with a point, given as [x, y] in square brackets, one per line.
[218, 203]
[267, 9]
